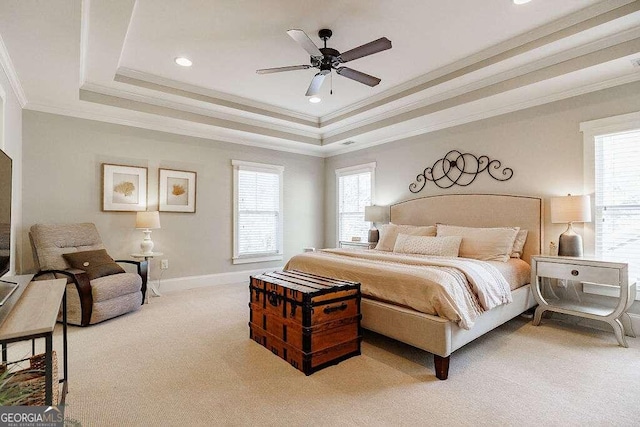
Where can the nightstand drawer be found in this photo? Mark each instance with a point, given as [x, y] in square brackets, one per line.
[583, 273]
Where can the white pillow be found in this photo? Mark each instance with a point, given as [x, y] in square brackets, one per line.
[389, 233]
[518, 244]
[427, 245]
[486, 244]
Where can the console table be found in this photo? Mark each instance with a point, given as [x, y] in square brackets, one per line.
[33, 316]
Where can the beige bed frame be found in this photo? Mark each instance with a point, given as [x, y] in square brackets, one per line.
[435, 334]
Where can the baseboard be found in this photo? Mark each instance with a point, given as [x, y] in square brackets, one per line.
[192, 282]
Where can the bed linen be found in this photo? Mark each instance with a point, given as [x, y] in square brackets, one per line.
[457, 289]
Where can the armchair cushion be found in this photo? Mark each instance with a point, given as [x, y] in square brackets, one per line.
[96, 263]
[108, 287]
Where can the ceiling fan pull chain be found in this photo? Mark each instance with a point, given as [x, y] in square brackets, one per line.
[331, 91]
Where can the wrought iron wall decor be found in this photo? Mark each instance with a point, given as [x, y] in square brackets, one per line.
[457, 168]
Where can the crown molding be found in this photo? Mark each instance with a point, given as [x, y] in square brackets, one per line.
[175, 126]
[162, 84]
[613, 124]
[12, 76]
[518, 106]
[495, 80]
[545, 34]
[582, 20]
[580, 59]
[175, 105]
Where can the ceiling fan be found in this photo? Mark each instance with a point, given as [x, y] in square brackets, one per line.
[326, 59]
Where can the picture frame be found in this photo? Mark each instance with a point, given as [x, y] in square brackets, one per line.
[124, 188]
[177, 190]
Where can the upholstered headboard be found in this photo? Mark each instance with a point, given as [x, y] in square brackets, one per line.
[477, 210]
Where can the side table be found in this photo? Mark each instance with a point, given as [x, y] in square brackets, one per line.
[148, 257]
[34, 316]
[566, 271]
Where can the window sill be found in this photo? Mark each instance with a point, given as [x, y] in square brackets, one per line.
[247, 260]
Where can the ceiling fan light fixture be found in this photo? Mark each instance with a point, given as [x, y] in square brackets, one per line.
[184, 62]
[327, 59]
[314, 99]
[521, 1]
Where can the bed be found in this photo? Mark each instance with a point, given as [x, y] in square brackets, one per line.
[432, 333]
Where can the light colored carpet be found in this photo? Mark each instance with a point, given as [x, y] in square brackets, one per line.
[186, 359]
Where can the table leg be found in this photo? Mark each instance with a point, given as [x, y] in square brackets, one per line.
[48, 370]
[628, 325]
[152, 287]
[538, 315]
[618, 329]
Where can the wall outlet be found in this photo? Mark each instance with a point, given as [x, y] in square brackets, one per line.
[164, 264]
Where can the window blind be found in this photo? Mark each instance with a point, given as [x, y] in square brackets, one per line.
[354, 193]
[617, 199]
[258, 210]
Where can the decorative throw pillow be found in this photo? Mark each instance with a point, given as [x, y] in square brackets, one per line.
[427, 245]
[518, 244]
[96, 263]
[486, 244]
[389, 233]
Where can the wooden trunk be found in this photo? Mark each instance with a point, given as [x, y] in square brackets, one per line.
[310, 321]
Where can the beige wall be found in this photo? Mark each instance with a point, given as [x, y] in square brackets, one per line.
[11, 143]
[543, 146]
[62, 183]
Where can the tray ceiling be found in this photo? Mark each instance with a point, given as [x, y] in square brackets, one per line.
[451, 62]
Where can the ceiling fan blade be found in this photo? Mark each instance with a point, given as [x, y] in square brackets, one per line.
[280, 69]
[303, 40]
[366, 49]
[358, 76]
[316, 83]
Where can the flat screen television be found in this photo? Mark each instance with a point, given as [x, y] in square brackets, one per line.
[5, 212]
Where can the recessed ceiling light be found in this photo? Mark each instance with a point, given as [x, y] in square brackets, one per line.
[521, 1]
[185, 62]
[314, 99]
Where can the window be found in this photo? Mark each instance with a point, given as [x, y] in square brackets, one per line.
[617, 198]
[257, 213]
[355, 191]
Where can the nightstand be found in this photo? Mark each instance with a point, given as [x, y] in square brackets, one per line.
[554, 280]
[356, 245]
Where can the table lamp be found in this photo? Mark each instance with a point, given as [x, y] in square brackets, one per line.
[147, 221]
[570, 209]
[375, 214]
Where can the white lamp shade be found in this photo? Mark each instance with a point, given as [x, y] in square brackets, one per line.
[570, 209]
[148, 220]
[375, 213]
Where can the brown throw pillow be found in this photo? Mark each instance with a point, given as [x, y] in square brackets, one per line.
[96, 263]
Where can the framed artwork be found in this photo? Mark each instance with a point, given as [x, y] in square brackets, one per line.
[124, 188]
[177, 191]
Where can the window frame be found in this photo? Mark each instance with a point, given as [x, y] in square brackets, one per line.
[590, 131]
[238, 258]
[352, 170]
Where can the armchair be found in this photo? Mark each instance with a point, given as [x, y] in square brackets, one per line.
[89, 301]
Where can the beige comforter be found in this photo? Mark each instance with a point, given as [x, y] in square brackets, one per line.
[458, 289]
